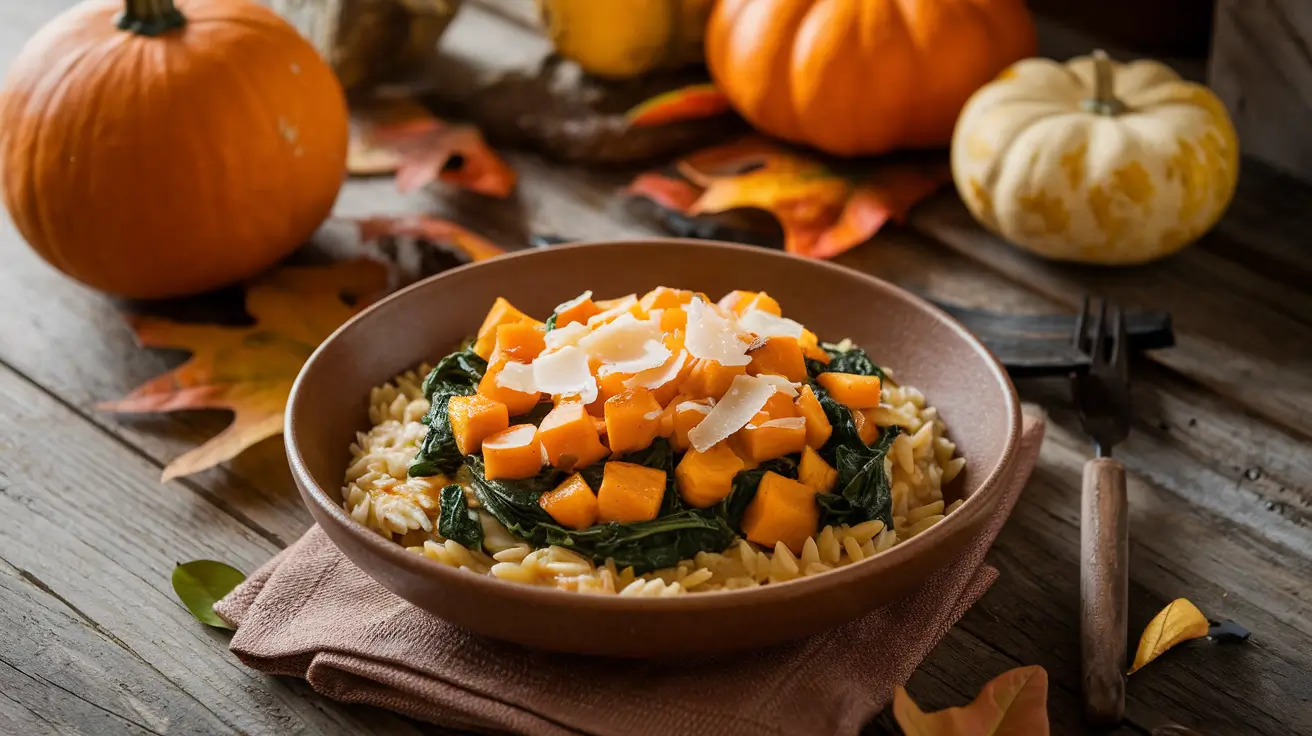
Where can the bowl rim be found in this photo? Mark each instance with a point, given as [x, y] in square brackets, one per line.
[799, 587]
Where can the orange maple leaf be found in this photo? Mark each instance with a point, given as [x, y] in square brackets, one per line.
[249, 370]
[685, 103]
[435, 230]
[822, 213]
[407, 139]
[1014, 703]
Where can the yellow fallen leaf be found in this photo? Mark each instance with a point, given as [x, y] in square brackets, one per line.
[1014, 703]
[249, 370]
[1179, 621]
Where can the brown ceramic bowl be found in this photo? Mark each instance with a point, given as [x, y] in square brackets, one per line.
[924, 347]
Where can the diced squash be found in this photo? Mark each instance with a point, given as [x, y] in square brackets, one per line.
[663, 297]
[474, 419]
[710, 379]
[517, 402]
[572, 504]
[518, 341]
[849, 389]
[866, 429]
[501, 313]
[674, 387]
[772, 439]
[632, 420]
[784, 510]
[569, 437]
[706, 478]
[513, 453]
[611, 384]
[780, 356]
[688, 413]
[673, 318]
[813, 471]
[578, 309]
[810, 345]
[818, 427]
[738, 302]
[630, 492]
[673, 340]
[780, 406]
[613, 308]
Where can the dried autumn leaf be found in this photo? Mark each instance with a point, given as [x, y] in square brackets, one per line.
[431, 229]
[686, 103]
[822, 213]
[405, 138]
[1014, 703]
[1179, 621]
[249, 370]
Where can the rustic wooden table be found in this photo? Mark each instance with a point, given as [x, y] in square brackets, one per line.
[1220, 471]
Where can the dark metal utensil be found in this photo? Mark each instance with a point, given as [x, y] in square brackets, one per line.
[1102, 395]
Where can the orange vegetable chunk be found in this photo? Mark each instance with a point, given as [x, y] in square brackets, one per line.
[687, 414]
[810, 346]
[474, 419]
[674, 318]
[611, 384]
[612, 309]
[813, 471]
[738, 302]
[857, 392]
[501, 313]
[578, 309]
[569, 437]
[517, 402]
[780, 356]
[780, 406]
[572, 504]
[784, 510]
[818, 427]
[663, 297]
[630, 492]
[772, 439]
[709, 379]
[513, 453]
[866, 429]
[518, 341]
[632, 420]
[706, 478]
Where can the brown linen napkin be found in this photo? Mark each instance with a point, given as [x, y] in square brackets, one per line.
[309, 612]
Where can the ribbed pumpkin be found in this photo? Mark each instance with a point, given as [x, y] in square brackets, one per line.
[855, 77]
[152, 151]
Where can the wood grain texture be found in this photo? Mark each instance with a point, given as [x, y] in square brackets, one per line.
[1104, 577]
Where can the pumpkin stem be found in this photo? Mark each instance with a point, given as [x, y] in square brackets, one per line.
[1103, 102]
[149, 17]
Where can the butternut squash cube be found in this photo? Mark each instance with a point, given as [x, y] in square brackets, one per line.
[813, 471]
[517, 402]
[474, 419]
[518, 341]
[687, 414]
[818, 427]
[513, 453]
[632, 420]
[674, 318]
[663, 297]
[780, 356]
[612, 309]
[706, 478]
[866, 429]
[810, 345]
[738, 302]
[630, 492]
[570, 438]
[709, 379]
[857, 392]
[578, 309]
[501, 313]
[780, 406]
[784, 510]
[772, 439]
[572, 504]
[609, 385]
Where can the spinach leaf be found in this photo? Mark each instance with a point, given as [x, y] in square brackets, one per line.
[457, 521]
[551, 321]
[866, 487]
[457, 374]
[840, 418]
[853, 360]
[745, 485]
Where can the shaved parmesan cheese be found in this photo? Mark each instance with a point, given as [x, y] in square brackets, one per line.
[572, 302]
[625, 340]
[781, 384]
[697, 405]
[518, 377]
[654, 356]
[560, 337]
[565, 372]
[614, 308]
[786, 423]
[654, 378]
[713, 337]
[517, 437]
[746, 396]
[764, 324]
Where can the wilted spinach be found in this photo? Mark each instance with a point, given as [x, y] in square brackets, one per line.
[551, 321]
[853, 360]
[866, 488]
[745, 485]
[457, 521]
[457, 374]
[534, 415]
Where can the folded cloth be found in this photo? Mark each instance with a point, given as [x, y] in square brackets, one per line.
[310, 613]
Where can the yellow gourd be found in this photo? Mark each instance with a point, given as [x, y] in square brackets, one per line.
[625, 38]
[1093, 161]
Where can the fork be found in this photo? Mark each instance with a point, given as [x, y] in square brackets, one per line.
[1102, 396]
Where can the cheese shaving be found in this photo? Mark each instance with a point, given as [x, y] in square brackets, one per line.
[626, 340]
[746, 396]
[620, 306]
[560, 337]
[572, 302]
[713, 337]
[517, 377]
[654, 378]
[786, 423]
[764, 324]
[517, 437]
[654, 356]
[566, 372]
[781, 384]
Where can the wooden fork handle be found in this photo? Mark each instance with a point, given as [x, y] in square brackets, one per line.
[1104, 579]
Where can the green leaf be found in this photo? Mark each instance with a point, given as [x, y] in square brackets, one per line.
[745, 485]
[852, 360]
[201, 583]
[551, 322]
[457, 374]
[457, 521]
[867, 491]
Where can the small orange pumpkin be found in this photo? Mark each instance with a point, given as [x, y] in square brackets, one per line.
[856, 77]
[152, 151]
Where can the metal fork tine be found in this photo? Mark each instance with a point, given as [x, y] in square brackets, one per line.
[1099, 351]
[1120, 350]
[1079, 324]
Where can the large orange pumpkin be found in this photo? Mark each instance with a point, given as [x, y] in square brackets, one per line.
[858, 77]
[154, 151]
